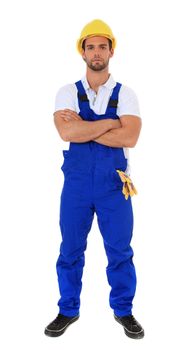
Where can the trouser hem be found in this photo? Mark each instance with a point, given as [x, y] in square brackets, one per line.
[68, 313]
[122, 313]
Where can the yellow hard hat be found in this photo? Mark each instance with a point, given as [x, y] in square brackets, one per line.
[95, 28]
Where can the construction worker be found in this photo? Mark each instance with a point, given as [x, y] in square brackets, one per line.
[100, 119]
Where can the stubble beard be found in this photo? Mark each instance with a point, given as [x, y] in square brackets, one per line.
[99, 66]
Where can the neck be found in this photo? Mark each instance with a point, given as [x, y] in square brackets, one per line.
[95, 79]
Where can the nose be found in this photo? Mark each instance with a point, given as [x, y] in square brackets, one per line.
[96, 54]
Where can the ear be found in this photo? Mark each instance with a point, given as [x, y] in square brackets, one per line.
[83, 54]
[111, 52]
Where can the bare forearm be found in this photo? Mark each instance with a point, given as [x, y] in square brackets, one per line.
[84, 131]
[113, 138]
[109, 132]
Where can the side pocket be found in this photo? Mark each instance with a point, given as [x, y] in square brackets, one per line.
[117, 180]
[69, 161]
[65, 156]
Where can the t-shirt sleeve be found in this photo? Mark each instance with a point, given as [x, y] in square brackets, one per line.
[128, 102]
[65, 98]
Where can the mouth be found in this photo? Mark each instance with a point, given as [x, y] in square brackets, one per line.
[97, 60]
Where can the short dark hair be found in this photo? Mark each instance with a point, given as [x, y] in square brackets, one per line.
[110, 44]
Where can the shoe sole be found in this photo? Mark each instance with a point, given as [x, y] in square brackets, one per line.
[61, 331]
[130, 334]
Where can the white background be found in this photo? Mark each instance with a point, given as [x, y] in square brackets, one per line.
[153, 57]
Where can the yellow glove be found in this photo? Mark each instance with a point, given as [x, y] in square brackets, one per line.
[128, 187]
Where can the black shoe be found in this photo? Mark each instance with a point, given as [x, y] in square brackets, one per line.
[59, 325]
[132, 328]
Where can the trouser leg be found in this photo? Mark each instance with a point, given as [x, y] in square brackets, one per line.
[76, 216]
[115, 220]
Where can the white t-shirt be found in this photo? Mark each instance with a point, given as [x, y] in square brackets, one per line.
[128, 104]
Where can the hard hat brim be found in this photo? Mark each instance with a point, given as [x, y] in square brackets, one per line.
[81, 40]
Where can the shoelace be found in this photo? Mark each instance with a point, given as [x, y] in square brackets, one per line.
[58, 319]
[131, 320]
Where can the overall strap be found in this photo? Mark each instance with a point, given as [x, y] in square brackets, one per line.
[113, 102]
[82, 96]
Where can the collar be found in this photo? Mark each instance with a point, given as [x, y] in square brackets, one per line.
[110, 83]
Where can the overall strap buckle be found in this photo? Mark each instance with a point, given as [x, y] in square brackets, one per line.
[113, 101]
[82, 97]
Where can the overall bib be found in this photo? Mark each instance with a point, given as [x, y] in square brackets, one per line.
[92, 185]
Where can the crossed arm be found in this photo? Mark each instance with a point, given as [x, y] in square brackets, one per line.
[123, 132]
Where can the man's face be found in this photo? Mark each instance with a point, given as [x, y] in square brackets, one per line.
[97, 53]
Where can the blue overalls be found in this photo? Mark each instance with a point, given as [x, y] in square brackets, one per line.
[92, 185]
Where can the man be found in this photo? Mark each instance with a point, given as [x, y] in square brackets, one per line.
[100, 118]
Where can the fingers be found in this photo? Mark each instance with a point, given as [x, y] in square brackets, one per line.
[71, 114]
[67, 114]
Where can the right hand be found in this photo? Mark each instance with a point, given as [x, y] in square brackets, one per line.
[67, 114]
[116, 124]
